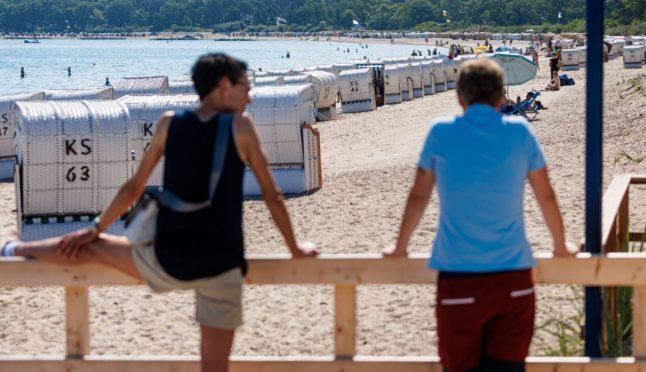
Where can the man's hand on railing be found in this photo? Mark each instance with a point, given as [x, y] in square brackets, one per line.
[71, 244]
[393, 250]
[304, 250]
[567, 249]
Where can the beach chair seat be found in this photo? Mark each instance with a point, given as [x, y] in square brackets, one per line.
[526, 108]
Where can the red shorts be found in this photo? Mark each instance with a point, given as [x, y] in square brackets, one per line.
[484, 316]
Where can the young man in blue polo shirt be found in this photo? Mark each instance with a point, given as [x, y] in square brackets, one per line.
[480, 161]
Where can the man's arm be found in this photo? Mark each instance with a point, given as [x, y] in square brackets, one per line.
[251, 153]
[418, 199]
[540, 183]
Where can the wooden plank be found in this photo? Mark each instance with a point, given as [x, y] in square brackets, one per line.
[612, 200]
[639, 322]
[613, 269]
[637, 179]
[622, 221]
[340, 269]
[345, 320]
[20, 272]
[77, 320]
[616, 243]
[636, 237]
[292, 364]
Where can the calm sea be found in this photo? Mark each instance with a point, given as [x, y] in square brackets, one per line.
[92, 61]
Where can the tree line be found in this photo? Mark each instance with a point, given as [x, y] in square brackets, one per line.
[308, 15]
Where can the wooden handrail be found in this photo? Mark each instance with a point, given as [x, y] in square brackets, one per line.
[616, 197]
[612, 269]
[299, 364]
[615, 235]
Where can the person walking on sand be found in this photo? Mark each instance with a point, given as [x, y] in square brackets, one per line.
[485, 294]
[201, 250]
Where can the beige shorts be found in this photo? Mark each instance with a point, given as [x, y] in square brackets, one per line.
[218, 299]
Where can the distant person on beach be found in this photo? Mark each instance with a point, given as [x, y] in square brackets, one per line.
[107, 82]
[485, 294]
[506, 105]
[22, 72]
[554, 63]
[555, 82]
[201, 250]
[69, 71]
[538, 105]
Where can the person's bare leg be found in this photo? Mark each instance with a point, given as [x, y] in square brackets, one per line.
[215, 348]
[110, 250]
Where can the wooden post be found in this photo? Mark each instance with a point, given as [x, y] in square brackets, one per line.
[77, 320]
[639, 322]
[616, 243]
[345, 321]
[622, 221]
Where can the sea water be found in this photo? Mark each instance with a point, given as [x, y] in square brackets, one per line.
[91, 61]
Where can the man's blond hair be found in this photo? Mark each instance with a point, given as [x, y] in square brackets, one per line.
[480, 81]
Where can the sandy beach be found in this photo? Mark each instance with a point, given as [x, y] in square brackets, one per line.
[368, 162]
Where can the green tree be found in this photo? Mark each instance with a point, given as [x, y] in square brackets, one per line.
[84, 15]
[119, 12]
[81, 15]
[345, 18]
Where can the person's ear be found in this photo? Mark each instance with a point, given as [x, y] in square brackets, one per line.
[224, 83]
[462, 103]
[501, 101]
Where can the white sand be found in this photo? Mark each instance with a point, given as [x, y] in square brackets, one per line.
[368, 164]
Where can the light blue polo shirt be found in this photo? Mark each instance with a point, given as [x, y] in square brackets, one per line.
[481, 160]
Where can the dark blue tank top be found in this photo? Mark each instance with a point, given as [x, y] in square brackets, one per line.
[207, 242]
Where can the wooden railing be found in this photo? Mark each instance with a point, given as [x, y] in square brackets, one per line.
[345, 272]
[616, 236]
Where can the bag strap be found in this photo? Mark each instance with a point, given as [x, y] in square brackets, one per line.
[219, 154]
[170, 200]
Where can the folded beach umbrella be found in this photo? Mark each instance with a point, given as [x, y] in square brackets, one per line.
[507, 49]
[518, 69]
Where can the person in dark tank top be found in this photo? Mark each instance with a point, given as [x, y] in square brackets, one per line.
[202, 250]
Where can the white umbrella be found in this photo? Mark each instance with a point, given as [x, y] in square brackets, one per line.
[518, 69]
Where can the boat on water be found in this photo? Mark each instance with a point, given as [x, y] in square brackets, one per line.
[34, 41]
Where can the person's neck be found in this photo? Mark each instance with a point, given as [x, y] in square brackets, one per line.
[206, 111]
